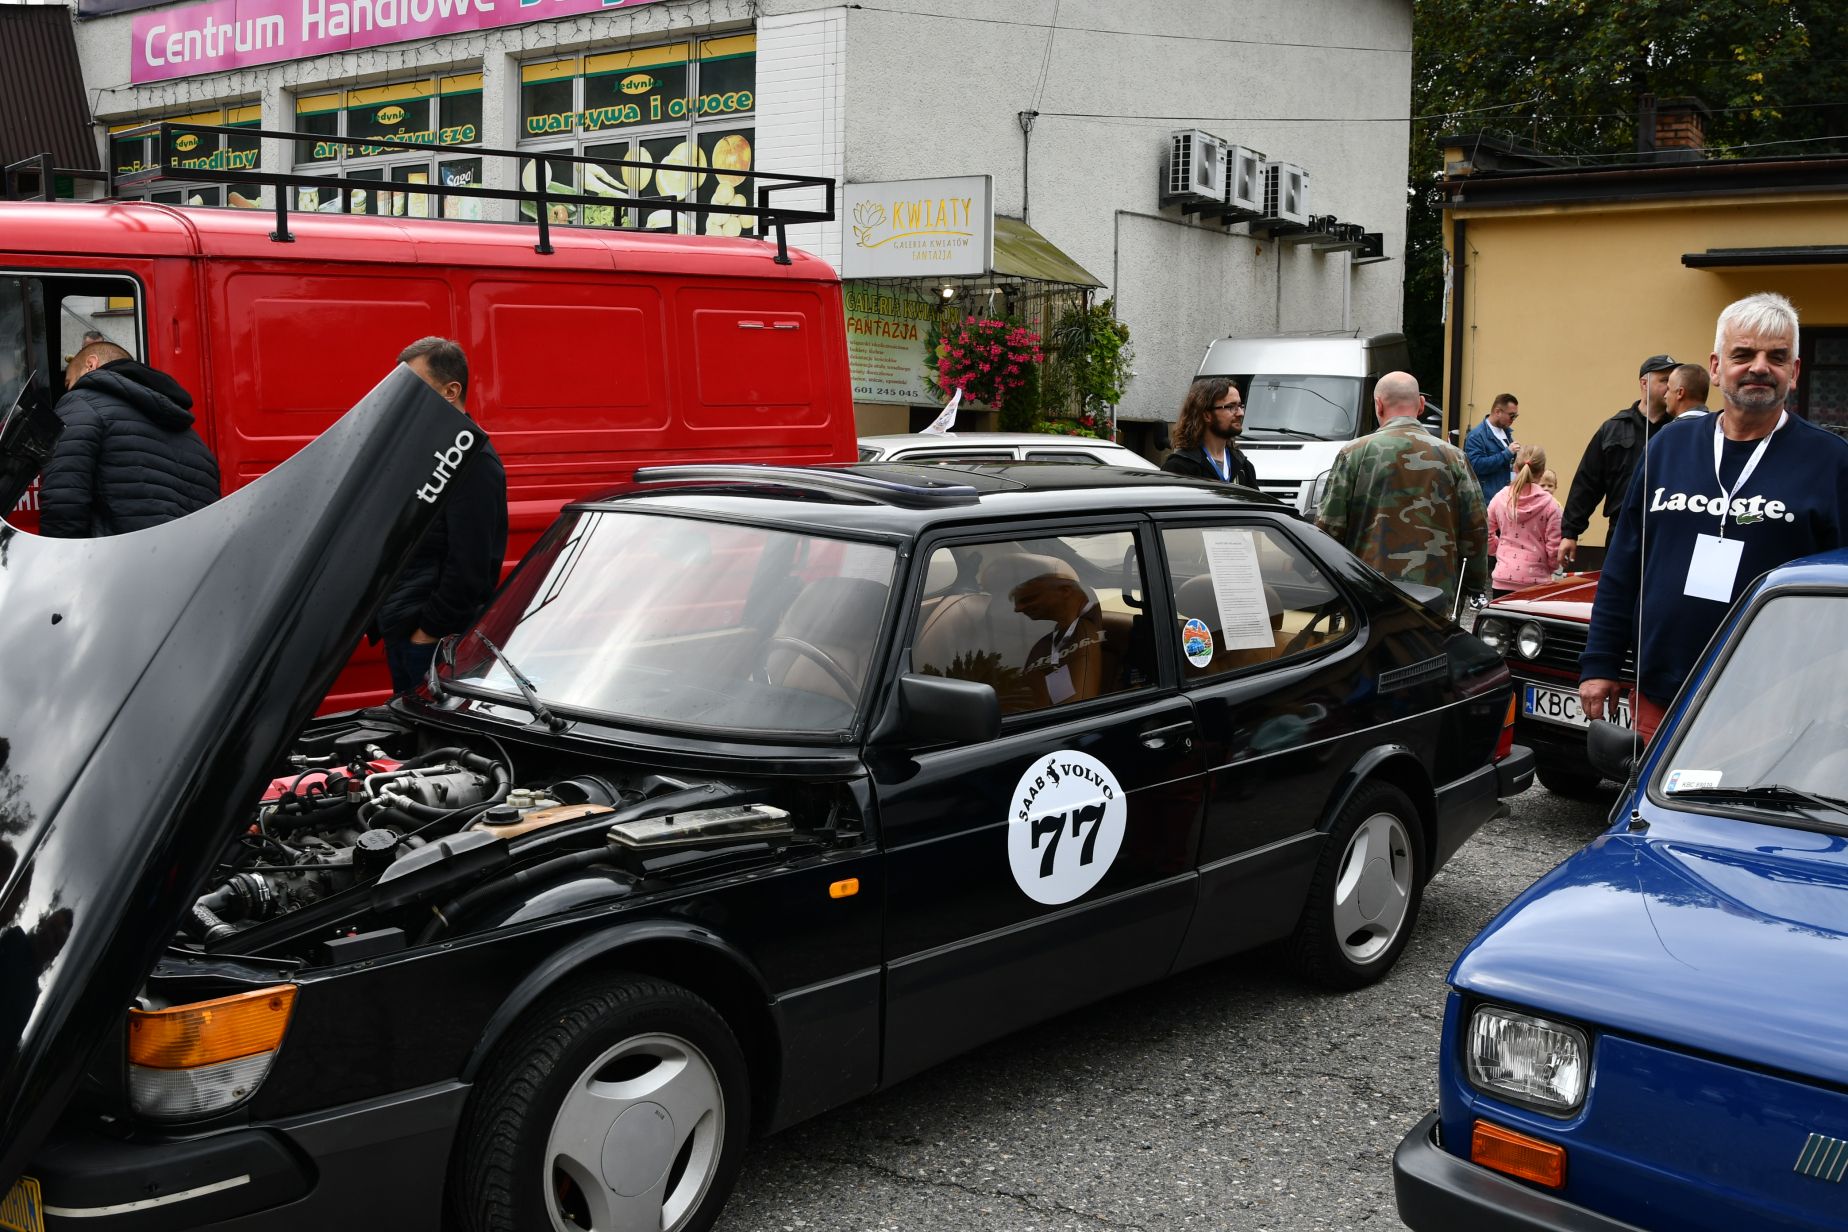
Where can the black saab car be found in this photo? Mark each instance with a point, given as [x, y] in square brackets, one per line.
[753, 791]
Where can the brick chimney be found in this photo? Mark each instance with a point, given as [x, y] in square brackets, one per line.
[1674, 128]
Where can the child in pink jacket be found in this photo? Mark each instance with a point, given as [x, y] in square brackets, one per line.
[1524, 526]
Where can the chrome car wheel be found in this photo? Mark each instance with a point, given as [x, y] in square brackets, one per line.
[1373, 888]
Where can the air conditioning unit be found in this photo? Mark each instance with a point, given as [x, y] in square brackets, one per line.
[1372, 247]
[1194, 173]
[1244, 184]
[1286, 200]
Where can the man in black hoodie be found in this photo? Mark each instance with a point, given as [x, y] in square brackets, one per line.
[454, 571]
[128, 457]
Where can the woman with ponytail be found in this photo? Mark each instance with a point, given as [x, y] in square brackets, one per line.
[1524, 526]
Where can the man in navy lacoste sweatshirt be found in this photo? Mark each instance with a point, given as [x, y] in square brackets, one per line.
[1688, 540]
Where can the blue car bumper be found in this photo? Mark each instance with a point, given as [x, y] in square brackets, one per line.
[1437, 1192]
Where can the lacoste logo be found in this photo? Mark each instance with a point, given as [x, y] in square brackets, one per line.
[447, 462]
[1743, 512]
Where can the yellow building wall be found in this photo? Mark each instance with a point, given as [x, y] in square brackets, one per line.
[1562, 304]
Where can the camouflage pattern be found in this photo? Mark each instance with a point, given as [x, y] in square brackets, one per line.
[1407, 503]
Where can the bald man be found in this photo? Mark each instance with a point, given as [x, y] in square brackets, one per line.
[1407, 503]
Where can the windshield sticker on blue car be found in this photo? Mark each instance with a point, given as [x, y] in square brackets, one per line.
[1197, 642]
[1065, 826]
[1690, 780]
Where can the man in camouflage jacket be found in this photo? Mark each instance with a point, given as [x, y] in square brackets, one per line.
[1407, 503]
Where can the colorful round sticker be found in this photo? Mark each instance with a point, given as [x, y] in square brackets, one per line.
[1065, 826]
[1197, 642]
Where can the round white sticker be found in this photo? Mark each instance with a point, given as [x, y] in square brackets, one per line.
[1065, 826]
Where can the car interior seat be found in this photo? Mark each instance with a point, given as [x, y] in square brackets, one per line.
[839, 617]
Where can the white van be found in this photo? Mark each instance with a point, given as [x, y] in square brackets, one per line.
[1306, 395]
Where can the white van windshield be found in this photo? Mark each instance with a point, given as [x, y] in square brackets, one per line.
[1327, 407]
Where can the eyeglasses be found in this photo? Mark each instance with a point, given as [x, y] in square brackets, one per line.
[1228, 406]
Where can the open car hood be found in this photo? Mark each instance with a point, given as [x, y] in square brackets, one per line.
[148, 684]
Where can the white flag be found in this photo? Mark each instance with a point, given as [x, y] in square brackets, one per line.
[941, 425]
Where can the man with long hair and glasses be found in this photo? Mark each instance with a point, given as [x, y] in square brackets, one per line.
[1205, 435]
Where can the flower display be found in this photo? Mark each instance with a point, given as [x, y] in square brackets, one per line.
[987, 359]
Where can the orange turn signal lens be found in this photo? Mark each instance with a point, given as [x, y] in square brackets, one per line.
[1513, 698]
[844, 889]
[1516, 1154]
[208, 1032]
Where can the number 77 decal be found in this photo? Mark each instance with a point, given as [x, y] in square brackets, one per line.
[1065, 796]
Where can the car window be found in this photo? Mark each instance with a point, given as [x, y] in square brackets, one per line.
[654, 618]
[1048, 622]
[1071, 457]
[1776, 714]
[957, 455]
[1246, 596]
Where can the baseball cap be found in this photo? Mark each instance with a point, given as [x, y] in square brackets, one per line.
[1657, 363]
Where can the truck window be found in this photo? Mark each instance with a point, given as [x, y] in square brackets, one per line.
[45, 318]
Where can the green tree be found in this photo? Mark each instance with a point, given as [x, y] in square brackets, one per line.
[1564, 77]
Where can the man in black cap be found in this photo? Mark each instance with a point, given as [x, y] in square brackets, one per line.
[1604, 472]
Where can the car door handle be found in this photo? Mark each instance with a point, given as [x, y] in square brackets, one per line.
[1173, 733]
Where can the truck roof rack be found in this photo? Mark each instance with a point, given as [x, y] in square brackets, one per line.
[756, 187]
[826, 481]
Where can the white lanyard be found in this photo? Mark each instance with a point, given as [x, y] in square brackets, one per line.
[1751, 464]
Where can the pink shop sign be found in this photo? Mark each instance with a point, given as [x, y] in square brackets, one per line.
[218, 35]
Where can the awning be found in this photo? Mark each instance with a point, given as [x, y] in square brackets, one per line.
[43, 107]
[1737, 258]
[1022, 252]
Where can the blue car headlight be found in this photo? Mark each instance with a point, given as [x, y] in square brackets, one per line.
[1530, 1061]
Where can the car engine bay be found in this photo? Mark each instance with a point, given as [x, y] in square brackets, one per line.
[373, 838]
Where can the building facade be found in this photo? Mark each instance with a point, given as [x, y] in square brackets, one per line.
[1067, 106]
[1564, 279]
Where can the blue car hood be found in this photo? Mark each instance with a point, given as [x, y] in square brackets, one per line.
[1722, 935]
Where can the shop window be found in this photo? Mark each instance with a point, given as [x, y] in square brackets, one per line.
[685, 110]
[341, 125]
[204, 152]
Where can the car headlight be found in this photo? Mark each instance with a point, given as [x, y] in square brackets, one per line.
[1529, 640]
[1312, 494]
[1529, 1061]
[1495, 632]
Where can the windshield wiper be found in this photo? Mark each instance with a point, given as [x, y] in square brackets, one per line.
[1764, 793]
[540, 710]
[1302, 432]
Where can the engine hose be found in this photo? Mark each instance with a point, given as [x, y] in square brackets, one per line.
[206, 921]
[458, 907]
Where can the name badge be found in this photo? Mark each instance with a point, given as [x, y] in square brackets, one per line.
[1059, 687]
[1714, 568]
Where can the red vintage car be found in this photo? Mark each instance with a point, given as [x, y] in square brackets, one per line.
[1540, 632]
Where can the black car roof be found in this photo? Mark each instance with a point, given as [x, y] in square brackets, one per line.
[904, 500]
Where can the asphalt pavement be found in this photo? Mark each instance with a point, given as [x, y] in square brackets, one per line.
[1231, 1096]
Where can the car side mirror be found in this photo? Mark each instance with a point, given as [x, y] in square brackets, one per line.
[1613, 750]
[939, 710]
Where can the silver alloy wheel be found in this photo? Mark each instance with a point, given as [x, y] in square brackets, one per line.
[1373, 888]
[621, 1131]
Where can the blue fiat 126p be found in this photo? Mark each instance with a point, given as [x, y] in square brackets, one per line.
[1655, 1034]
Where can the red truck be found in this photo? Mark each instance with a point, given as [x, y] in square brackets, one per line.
[592, 352]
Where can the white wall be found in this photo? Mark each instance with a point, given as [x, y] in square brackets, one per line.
[936, 92]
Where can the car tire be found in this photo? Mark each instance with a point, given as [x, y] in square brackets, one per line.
[1363, 900]
[619, 1103]
[1573, 782]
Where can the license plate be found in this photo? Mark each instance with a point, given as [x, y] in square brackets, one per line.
[23, 1210]
[1562, 706]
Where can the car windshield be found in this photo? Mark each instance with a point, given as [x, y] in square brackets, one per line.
[671, 620]
[1324, 406]
[1778, 714]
